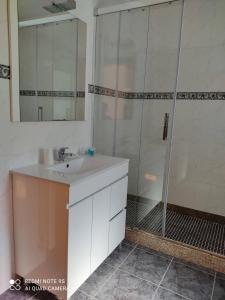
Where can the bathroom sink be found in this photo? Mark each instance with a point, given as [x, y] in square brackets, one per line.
[79, 165]
[84, 174]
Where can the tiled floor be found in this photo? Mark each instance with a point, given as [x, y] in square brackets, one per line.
[133, 272]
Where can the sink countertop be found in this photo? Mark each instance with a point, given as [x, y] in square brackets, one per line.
[44, 172]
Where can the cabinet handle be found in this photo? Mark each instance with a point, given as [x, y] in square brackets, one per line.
[117, 214]
[165, 127]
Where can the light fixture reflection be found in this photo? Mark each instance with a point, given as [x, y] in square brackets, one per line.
[150, 177]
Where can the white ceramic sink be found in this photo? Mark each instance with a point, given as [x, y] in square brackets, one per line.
[79, 165]
[85, 175]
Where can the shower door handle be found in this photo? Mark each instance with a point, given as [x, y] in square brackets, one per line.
[40, 113]
[166, 126]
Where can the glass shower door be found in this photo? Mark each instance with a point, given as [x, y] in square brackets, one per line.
[131, 73]
[160, 85]
[107, 37]
[135, 74]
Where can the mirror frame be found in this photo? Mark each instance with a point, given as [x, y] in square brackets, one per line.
[13, 24]
[14, 60]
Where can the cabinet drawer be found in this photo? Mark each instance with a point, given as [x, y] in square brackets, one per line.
[117, 230]
[118, 196]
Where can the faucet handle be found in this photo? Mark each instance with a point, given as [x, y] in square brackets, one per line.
[61, 153]
[63, 149]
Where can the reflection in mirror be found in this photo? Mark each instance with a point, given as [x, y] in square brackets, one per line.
[52, 62]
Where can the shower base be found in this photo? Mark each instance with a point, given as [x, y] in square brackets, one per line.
[191, 227]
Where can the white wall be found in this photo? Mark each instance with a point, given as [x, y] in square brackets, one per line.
[20, 142]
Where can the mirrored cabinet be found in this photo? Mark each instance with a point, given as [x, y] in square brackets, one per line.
[48, 62]
[52, 71]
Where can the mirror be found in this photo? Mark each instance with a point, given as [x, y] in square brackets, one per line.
[52, 61]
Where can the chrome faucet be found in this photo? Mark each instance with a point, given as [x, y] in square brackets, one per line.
[62, 155]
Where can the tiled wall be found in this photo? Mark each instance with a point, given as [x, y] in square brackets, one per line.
[20, 142]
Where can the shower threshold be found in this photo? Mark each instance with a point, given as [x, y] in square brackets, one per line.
[198, 229]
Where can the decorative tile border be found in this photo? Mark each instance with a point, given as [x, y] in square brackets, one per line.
[98, 90]
[64, 94]
[91, 88]
[160, 96]
[201, 95]
[80, 94]
[27, 93]
[4, 71]
[129, 95]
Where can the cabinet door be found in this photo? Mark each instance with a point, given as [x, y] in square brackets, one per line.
[79, 248]
[117, 230]
[100, 228]
[118, 197]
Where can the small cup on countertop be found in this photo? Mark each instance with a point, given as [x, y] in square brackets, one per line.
[46, 156]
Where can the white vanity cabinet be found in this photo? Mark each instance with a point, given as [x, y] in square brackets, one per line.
[96, 228]
[68, 220]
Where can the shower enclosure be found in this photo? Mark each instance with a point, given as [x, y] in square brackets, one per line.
[159, 77]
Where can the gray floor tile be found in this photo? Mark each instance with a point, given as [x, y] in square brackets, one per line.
[14, 295]
[219, 289]
[123, 286]
[129, 242]
[146, 265]
[220, 275]
[119, 254]
[167, 295]
[189, 282]
[45, 295]
[97, 279]
[155, 252]
[194, 266]
[79, 296]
